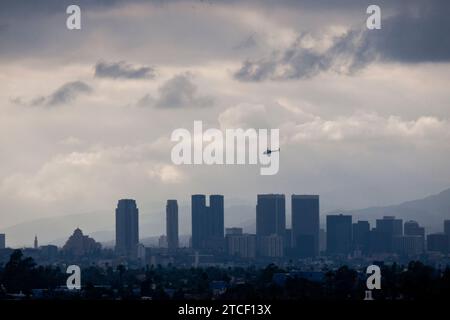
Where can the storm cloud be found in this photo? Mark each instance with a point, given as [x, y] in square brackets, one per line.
[415, 35]
[67, 93]
[123, 70]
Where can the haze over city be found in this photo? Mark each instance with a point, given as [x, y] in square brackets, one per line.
[86, 116]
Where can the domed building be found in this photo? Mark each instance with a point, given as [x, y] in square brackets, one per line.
[81, 245]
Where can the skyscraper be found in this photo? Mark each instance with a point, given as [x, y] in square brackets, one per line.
[438, 242]
[270, 224]
[305, 225]
[2, 241]
[447, 227]
[36, 244]
[270, 215]
[339, 234]
[412, 228]
[216, 208]
[127, 228]
[388, 228]
[208, 222]
[361, 233]
[172, 224]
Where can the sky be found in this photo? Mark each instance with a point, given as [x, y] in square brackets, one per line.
[86, 115]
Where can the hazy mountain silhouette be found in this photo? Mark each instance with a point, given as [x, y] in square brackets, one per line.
[429, 211]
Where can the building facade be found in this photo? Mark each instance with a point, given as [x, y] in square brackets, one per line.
[127, 228]
[172, 224]
[305, 225]
[339, 234]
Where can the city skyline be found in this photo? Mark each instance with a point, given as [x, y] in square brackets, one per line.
[372, 122]
[344, 235]
[209, 158]
[372, 215]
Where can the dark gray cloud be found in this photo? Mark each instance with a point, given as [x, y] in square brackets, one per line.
[178, 92]
[415, 35]
[68, 92]
[123, 70]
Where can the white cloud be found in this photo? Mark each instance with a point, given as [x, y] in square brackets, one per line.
[364, 127]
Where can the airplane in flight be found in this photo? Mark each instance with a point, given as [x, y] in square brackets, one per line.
[269, 152]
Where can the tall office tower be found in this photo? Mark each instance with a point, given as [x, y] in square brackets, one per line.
[305, 225]
[438, 242]
[172, 224]
[322, 240]
[270, 221]
[412, 228]
[198, 216]
[270, 215]
[216, 208]
[2, 241]
[127, 228]
[388, 228]
[447, 227]
[36, 244]
[361, 233]
[208, 222]
[447, 232]
[339, 234]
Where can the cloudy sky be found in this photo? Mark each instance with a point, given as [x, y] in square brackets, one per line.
[86, 116]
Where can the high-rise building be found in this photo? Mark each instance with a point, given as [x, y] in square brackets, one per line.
[36, 243]
[162, 241]
[270, 215]
[339, 234]
[438, 242]
[270, 246]
[408, 244]
[305, 224]
[361, 233]
[270, 224]
[208, 222]
[172, 224]
[388, 228]
[412, 228]
[239, 244]
[447, 232]
[378, 242]
[390, 225]
[447, 227]
[216, 207]
[127, 228]
[2, 241]
[322, 240]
